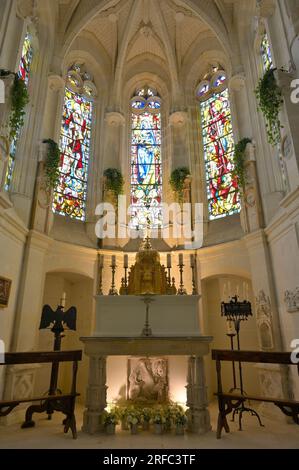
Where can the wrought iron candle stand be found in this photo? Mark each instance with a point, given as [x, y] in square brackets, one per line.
[181, 290]
[236, 312]
[57, 321]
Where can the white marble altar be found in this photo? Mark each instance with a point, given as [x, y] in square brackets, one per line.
[169, 315]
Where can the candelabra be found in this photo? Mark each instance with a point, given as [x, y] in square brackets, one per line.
[57, 321]
[113, 290]
[236, 312]
[181, 290]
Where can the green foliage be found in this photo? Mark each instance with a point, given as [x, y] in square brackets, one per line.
[19, 100]
[114, 181]
[111, 417]
[52, 163]
[177, 180]
[239, 161]
[269, 97]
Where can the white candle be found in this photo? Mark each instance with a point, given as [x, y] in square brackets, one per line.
[229, 292]
[181, 259]
[63, 300]
[126, 261]
[113, 261]
[230, 327]
[225, 293]
[169, 261]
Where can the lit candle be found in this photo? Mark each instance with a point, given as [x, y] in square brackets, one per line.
[113, 261]
[63, 300]
[238, 290]
[229, 292]
[169, 261]
[126, 261]
[181, 259]
[192, 261]
[225, 293]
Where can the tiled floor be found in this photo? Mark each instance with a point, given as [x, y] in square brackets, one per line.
[49, 434]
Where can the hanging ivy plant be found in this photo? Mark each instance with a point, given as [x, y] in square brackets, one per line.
[269, 97]
[114, 181]
[52, 163]
[19, 100]
[177, 180]
[239, 161]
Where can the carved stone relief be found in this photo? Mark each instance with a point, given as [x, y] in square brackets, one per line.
[291, 299]
[148, 379]
[264, 321]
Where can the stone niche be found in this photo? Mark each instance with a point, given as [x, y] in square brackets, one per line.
[147, 379]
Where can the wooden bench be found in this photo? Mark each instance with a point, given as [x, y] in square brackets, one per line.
[65, 403]
[230, 402]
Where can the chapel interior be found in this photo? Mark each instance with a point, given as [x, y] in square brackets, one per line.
[143, 183]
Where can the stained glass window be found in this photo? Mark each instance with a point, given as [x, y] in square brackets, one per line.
[24, 74]
[266, 53]
[75, 140]
[222, 186]
[146, 163]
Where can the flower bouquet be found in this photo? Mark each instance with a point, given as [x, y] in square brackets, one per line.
[146, 415]
[110, 421]
[133, 419]
[158, 421]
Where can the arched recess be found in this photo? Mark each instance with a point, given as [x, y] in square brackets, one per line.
[79, 293]
[215, 290]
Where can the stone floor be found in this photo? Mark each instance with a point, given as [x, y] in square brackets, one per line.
[49, 435]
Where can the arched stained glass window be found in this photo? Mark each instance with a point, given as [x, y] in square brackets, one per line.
[146, 162]
[24, 74]
[75, 146]
[266, 53]
[218, 142]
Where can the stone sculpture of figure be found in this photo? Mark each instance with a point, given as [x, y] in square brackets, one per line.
[148, 380]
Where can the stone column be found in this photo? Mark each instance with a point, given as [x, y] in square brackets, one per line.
[96, 396]
[197, 399]
[178, 122]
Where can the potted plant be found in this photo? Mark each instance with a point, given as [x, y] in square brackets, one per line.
[123, 414]
[114, 181]
[110, 421]
[133, 419]
[269, 97]
[177, 181]
[180, 421]
[52, 163]
[158, 421]
[168, 413]
[146, 418]
[239, 162]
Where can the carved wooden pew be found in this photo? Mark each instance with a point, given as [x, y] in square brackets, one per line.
[65, 403]
[228, 402]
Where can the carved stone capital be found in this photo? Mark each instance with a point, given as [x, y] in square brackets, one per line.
[25, 8]
[114, 119]
[178, 118]
[266, 7]
[56, 82]
[237, 82]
